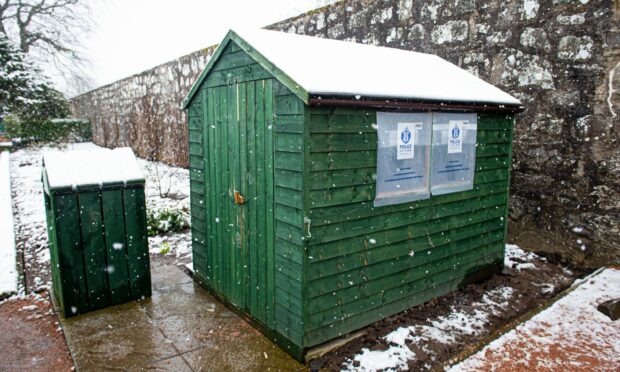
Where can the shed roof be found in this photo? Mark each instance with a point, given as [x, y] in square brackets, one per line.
[91, 167]
[312, 66]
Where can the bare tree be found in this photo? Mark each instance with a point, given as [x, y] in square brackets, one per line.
[49, 31]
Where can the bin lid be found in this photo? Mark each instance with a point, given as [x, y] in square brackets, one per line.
[95, 167]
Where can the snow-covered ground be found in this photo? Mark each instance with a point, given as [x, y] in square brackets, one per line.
[8, 272]
[464, 321]
[166, 187]
[569, 335]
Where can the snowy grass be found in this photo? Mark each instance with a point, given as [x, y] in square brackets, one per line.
[8, 271]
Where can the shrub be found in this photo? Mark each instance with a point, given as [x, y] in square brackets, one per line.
[166, 220]
[48, 130]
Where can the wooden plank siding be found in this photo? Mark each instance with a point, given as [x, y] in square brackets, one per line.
[98, 246]
[366, 263]
[288, 192]
[197, 144]
[239, 91]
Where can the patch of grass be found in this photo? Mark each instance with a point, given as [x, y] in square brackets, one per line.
[165, 248]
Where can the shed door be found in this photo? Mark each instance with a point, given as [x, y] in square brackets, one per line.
[239, 169]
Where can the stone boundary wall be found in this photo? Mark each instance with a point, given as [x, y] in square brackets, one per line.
[560, 57]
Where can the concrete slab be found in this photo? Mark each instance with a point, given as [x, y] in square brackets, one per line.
[181, 328]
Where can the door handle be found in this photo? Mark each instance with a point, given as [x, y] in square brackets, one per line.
[239, 199]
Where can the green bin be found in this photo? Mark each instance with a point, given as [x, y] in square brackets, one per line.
[96, 223]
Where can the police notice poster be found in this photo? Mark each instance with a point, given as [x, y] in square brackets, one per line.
[403, 157]
[453, 160]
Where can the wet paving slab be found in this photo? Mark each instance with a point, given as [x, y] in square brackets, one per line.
[180, 328]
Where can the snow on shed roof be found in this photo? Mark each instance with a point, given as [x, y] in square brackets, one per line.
[339, 68]
[91, 167]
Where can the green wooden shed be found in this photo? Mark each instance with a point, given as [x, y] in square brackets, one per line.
[96, 223]
[334, 184]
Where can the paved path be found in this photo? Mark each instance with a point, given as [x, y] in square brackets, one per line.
[570, 335]
[181, 328]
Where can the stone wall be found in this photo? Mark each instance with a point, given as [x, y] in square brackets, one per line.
[143, 111]
[560, 57]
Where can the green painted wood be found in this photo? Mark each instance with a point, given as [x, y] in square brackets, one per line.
[377, 310]
[138, 266]
[340, 250]
[288, 179]
[50, 209]
[89, 271]
[289, 142]
[232, 59]
[269, 202]
[253, 196]
[404, 269]
[226, 197]
[243, 238]
[458, 212]
[261, 215]
[429, 246]
[116, 246]
[510, 120]
[244, 234]
[209, 187]
[234, 266]
[71, 256]
[290, 123]
[331, 123]
[448, 227]
[91, 224]
[346, 305]
[351, 212]
[236, 75]
[221, 194]
[290, 251]
[291, 233]
[289, 161]
[288, 214]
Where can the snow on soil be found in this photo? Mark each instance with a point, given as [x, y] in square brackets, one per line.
[445, 329]
[571, 334]
[518, 259]
[8, 272]
[448, 330]
[166, 187]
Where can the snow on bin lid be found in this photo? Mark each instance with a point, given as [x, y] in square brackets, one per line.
[333, 67]
[92, 167]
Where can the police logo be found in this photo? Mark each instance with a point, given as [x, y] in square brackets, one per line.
[405, 135]
[455, 132]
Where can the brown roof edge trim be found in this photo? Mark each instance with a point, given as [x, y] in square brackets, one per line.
[387, 103]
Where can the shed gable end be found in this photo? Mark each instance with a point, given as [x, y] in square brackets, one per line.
[233, 66]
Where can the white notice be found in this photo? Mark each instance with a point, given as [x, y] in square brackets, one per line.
[405, 141]
[455, 136]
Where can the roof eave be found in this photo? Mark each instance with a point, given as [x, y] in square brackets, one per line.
[416, 104]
